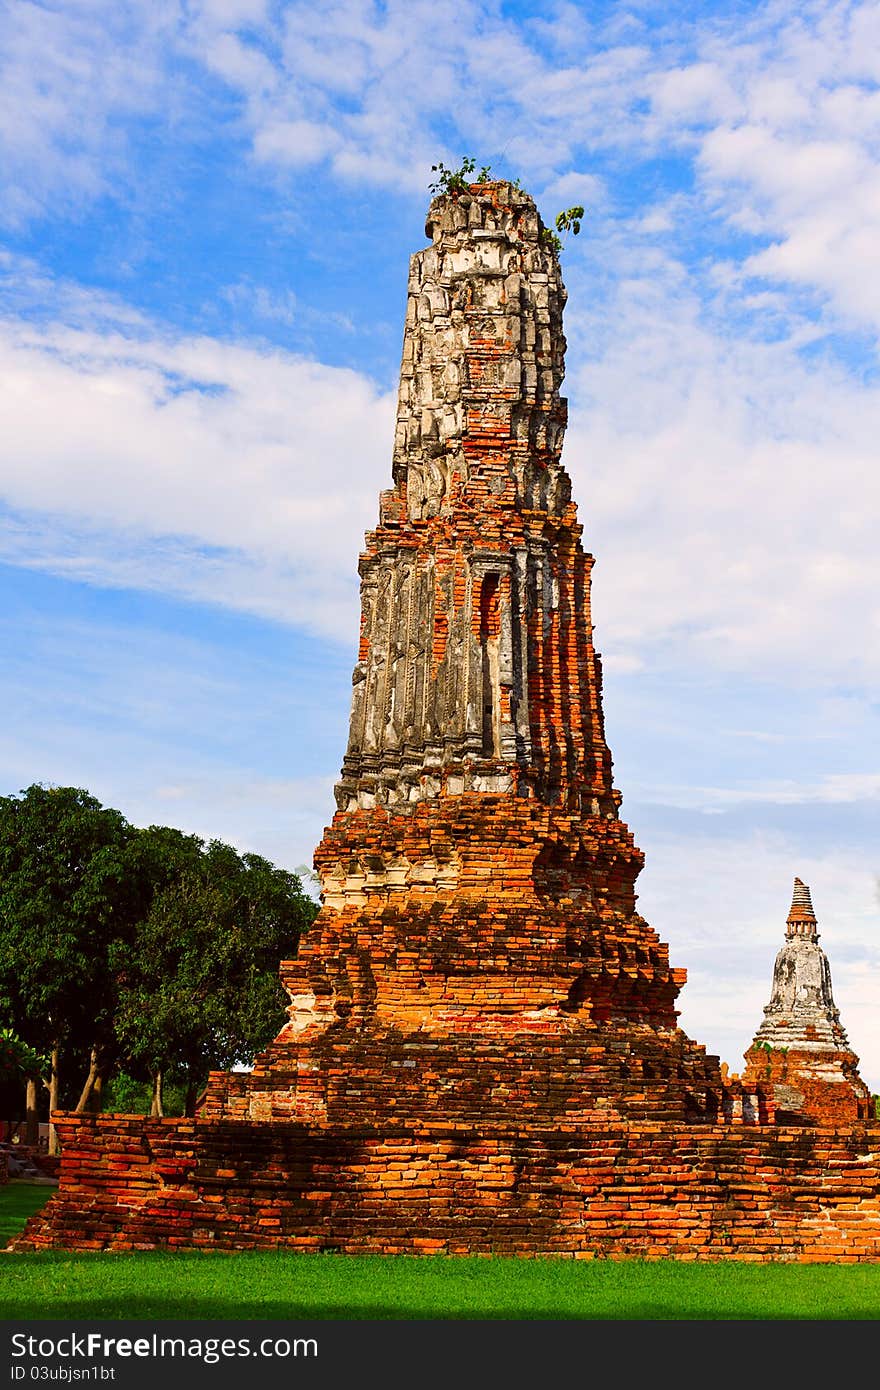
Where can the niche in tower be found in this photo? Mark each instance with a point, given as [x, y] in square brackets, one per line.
[490, 631]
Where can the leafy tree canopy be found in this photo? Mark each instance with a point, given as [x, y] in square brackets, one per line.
[198, 987]
[63, 894]
[18, 1061]
[147, 948]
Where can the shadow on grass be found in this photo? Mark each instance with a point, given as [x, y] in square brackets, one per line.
[169, 1309]
[145, 1307]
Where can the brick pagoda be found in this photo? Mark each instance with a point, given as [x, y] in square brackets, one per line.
[801, 1054]
[482, 1051]
[478, 945]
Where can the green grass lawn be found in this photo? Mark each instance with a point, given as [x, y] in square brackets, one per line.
[285, 1286]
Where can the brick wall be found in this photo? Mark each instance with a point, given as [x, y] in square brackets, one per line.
[651, 1190]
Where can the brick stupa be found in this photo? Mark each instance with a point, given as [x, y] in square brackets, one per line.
[483, 1051]
[801, 1054]
[478, 946]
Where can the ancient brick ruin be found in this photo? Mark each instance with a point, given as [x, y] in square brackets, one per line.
[482, 1052]
[800, 1054]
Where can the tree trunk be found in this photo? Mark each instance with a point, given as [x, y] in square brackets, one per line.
[156, 1110]
[96, 1100]
[85, 1095]
[192, 1094]
[54, 1089]
[32, 1117]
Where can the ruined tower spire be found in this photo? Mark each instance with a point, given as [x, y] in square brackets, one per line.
[476, 669]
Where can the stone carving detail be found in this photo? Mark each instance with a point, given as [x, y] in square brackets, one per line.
[476, 670]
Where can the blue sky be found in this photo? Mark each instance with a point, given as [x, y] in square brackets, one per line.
[206, 217]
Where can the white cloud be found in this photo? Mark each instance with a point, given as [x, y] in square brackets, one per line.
[160, 718]
[574, 188]
[699, 92]
[263, 303]
[726, 484]
[778, 109]
[235, 474]
[727, 488]
[279, 818]
[837, 788]
[366, 87]
[71, 77]
[239, 64]
[780, 112]
[794, 156]
[295, 143]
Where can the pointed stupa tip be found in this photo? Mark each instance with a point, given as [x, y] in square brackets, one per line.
[801, 919]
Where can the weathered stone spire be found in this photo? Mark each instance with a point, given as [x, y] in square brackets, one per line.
[801, 1046]
[476, 669]
[802, 1011]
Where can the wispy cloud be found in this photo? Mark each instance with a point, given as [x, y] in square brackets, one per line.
[726, 484]
[778, 110]
[235, 474]
[260, 302]
[774, 112]
[840, 788]
[726, 487]
[72, 79]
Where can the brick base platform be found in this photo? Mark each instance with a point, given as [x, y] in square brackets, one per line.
[652, 1190]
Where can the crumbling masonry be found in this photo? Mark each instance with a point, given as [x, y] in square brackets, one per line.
[483, 1051]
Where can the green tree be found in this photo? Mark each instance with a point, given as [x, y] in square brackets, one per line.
[142, 947]
[569, 220]
[17, 1060]
[198, 984]
[64, 895]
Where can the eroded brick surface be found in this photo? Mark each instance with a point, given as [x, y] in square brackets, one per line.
[651, 1189]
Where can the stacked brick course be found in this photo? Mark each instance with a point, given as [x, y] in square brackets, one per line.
[651, 1189]
[482, 1050]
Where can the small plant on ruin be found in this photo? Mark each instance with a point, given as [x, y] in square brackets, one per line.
[458, 180]
[567, 221]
